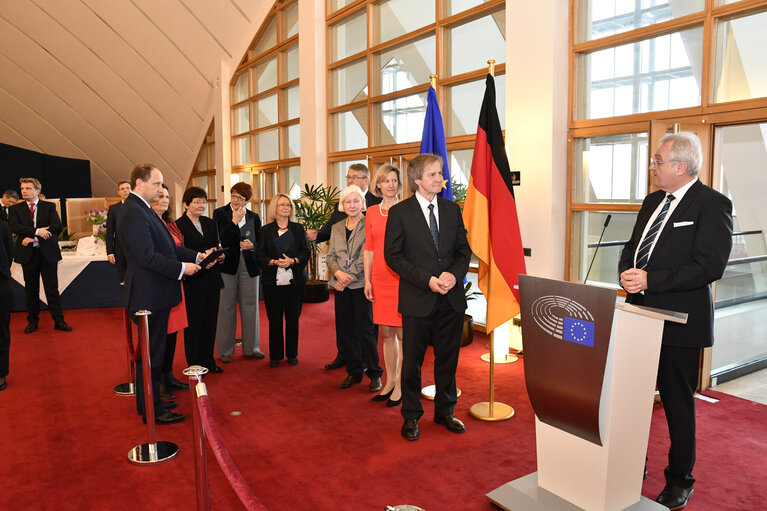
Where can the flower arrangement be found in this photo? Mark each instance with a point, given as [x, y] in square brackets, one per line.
[97, 218]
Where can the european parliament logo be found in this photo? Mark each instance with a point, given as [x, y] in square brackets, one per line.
[565, 319]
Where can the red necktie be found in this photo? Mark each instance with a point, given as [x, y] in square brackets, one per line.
[32, 210]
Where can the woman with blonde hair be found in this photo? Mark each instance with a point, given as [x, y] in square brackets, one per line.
[381, 283]
[283, 252]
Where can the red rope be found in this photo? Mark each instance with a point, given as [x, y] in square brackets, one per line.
[133, 353]
[240, 486]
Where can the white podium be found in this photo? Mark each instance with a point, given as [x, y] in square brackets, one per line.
[574, 473]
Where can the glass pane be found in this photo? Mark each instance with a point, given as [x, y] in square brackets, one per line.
[464, 101]
[348, 37]
[334, 5]
[267, 145]
[349, 129]
[242, 151]
[406, 66]
[460, 171]
[611, 169]
[472, 44]
[655, 74]
[240, 88]
[291, 102]
[400, 120]
[740, 162]
[338, 172]
[291, 177]
[587, 226]
[456, 6]
[201, 182]
[349, 83]
[267, 39]
[266, 111]
[290, 21]
[392, 18]
[291, 63]
[291, 137]
[265, 75]
[740, 70]
[241, 119]
[600, 18]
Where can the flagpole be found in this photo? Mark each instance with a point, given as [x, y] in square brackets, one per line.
[491, 411]
[433, 80]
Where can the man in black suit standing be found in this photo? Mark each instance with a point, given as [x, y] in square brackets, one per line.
[115, 253]
[357, 174]
[426, 246]
[36, 225]
[680, 245]
[151, 281]
[8, 199]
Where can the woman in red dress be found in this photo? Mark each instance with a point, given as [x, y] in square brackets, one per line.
[381, 283]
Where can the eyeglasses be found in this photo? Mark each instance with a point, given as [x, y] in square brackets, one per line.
[199, 202]
[238, 197]
[658, 163]
[355, 178]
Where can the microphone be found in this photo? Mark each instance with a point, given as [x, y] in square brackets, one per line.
[607, 221]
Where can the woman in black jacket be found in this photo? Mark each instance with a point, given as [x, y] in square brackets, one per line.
[283, 252]
[202, 289]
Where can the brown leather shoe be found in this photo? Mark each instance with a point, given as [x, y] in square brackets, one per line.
[375, 384]
[674, 497]
[349, 381]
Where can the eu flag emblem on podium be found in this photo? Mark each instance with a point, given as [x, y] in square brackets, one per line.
[579, 331]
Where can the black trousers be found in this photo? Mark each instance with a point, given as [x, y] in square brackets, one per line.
[6, 298]
[158, 333]
[200, 335]
[34, 269]
[444, 325]
[677, 379]
[170, 353]
[283, 301]
[354, 326]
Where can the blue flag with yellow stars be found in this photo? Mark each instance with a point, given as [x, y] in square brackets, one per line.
[433, 140]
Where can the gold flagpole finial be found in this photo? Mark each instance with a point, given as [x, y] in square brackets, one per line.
[433, 79]
[491, 63]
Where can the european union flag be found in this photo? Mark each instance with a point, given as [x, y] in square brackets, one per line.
[579, 331]
[433, 140]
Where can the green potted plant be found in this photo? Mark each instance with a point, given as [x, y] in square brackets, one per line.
[313, 210]
[67, 243]
[467, 336]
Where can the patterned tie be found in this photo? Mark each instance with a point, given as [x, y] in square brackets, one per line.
[433, 226]
[643, 256]
[32, 211]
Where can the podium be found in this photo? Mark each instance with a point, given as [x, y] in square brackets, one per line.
[590, 370]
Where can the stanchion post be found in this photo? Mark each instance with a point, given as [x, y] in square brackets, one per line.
[490, 410]
[127, 389]
[152, 452]
[200, 458]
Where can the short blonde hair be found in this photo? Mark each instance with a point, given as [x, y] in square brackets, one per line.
[271, 213]
[380, 176]
[346, 192]
[33, 181]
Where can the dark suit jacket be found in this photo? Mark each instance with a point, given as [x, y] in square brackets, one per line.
[21, 225]
[3, 215]
[154, 260]
[112, 241]
[205, 280]
[6, 251]
[323, 234]
[410, 252]
[690, 253]
[230, 239]
[267, 250]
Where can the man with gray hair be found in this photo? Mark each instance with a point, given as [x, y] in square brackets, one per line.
[680, 245]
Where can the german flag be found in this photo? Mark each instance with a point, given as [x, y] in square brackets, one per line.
[490, 215]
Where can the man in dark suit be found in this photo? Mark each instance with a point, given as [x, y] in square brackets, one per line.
[8, 199]
[115, 253]
[6, 298]
[151, 281]
[426, 246]
[36, 225]
[680, 245]
[357, 174]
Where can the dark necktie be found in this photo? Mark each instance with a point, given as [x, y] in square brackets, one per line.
[643, 256]
[32, 212]
[433, 226]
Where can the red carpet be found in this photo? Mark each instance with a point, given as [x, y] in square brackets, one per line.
[300, 442]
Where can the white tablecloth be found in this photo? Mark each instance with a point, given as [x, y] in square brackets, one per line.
[70, 267]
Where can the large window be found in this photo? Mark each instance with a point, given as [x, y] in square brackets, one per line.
[204, 171]
[266, 130]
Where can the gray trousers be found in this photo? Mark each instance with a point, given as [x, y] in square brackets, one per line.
[243, 289]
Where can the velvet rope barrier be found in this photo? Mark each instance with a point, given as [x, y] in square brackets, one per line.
[232, 473]
[133, 353]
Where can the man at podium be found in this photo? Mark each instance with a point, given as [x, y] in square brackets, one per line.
[680, 245]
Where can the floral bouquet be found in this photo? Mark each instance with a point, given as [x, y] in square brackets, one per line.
[97, 218]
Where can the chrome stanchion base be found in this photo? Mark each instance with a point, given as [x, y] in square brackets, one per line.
[152, 454]
[429, 391]
[124, 389]
[501, 412]
[508, 359]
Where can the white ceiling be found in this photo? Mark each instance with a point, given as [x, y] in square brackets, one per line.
[118, 82]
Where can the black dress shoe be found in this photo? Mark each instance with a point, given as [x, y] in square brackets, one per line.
[62, 326]
[410, 430]
[375, 384]
[30, 328]
[451, 423]
[3, 385]
[169, 418]
[391, 404]
[335, 364]
[215, 369]
[293, 361]
[165, 393]
[168, 405]
[382, 397]
[172, 383]
[349, 381]
[674, 497]
[274, 363]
